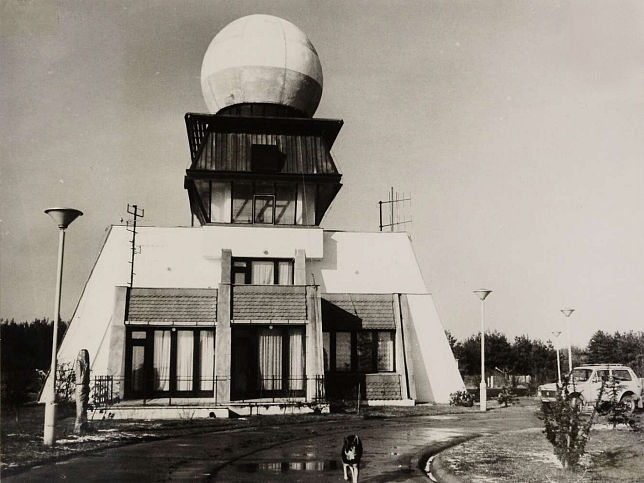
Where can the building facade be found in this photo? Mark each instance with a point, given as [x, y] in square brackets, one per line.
[255, 303]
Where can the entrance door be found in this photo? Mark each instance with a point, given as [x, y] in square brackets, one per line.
[243, 364]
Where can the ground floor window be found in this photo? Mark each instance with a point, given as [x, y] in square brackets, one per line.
[363, 351]
[267, 361]
[169, 361]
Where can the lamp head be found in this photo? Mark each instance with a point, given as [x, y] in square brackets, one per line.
[567, 312]
[482, 293]
[63, 217]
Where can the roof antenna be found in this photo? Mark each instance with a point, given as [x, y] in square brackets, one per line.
[397, 203]
[134, 211]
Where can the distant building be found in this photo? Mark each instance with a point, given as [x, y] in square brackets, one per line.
[255, 307]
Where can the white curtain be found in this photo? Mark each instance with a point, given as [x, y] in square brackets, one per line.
[207, 346]
[285, 273]
[161, 363]
[296, 359]
[262, 273]
[270, 359]
[185, 353]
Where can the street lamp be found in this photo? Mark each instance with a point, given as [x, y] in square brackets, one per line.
[568, 312]
[63, 217]
[482, 294]
[557, 334]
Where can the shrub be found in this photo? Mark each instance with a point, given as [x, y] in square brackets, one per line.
[567, 427]
[507, 396]
[616, 411]
[461, 398]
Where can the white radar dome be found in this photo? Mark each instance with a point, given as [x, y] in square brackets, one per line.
[261, 59]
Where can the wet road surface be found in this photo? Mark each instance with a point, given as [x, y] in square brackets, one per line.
[297, 452]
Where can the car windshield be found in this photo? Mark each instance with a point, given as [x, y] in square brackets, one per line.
[580, 375]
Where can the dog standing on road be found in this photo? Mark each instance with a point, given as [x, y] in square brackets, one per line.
[351, 455]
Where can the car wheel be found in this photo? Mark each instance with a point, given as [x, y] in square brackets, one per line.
[630, 402]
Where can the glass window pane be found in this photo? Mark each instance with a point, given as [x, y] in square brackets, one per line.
[203, 190]
[285, 204]
[305, 204]
[138, 356]
[138, 335]
[343, 351]
[385, 351]
[285, 272]
[264, 209]
[220, 202]
[365, 352]
[621, 375]
[296, 359]
[263, 273]
[240, 278]
[207, 353]
[270, 359]
[326, 348]
[185, 349]
[161, 360]
[242, 203]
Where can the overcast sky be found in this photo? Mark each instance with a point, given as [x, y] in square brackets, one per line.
[517, 126]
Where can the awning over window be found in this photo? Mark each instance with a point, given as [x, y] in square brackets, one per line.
[269, 304]
[172, 306]
[357, 311]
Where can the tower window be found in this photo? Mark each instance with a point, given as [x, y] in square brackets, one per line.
[266, 158]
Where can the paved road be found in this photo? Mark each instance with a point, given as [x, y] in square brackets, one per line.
[299, 452]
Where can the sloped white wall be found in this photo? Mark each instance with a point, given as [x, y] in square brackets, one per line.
[435, 369]
[366, 263]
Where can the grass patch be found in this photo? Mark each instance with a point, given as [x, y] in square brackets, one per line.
[527, 456]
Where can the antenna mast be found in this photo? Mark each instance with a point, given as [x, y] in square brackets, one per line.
[396, 204]
[134, 211]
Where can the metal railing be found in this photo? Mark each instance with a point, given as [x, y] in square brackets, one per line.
[106, 390]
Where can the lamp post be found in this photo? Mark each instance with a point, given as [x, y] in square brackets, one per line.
[557, 334]
[482, 294]
[568, 312]
[63, 217]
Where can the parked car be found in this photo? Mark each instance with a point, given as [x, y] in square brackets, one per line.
[586, 382]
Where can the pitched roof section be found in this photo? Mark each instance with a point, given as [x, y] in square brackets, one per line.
[358, 311]
[223, 143]
[172, 306]
[268, 303]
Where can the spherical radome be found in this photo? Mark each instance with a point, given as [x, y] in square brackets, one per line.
[261, 59]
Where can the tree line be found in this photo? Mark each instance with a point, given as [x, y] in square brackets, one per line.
[538, 359]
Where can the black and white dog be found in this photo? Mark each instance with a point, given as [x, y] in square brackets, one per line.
[351, 455]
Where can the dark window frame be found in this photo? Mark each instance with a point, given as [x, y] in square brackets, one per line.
[148, 375]
[354, 351]
[247, 270]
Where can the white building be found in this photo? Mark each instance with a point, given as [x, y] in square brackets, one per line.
[257, 303]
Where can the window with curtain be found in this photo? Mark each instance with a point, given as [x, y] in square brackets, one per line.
[385, 351]
[270, 359]
[207, 353]
[161, 362]
[181, 361]
[343, 351]
[185, 353]
[296, 359]
[262, 272]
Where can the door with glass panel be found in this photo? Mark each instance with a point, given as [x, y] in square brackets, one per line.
[267, 362]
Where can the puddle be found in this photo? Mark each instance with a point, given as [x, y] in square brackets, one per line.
[285, 466]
